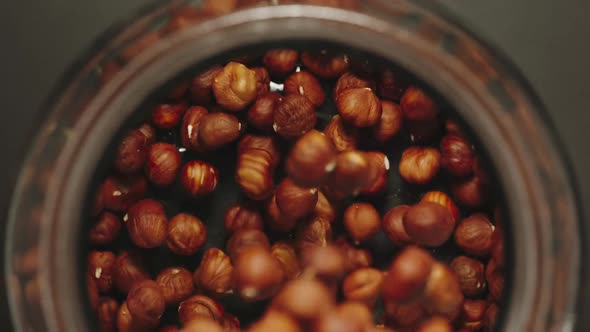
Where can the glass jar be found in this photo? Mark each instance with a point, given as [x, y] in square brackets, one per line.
[43, 270]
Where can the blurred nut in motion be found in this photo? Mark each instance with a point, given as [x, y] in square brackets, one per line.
[419, 165]
[257, 274]
[408, 275]
[362, 221]
[311, 160]
[286, 255]
[363, 285]
[393, 225]
[280, 62]
[294, 201]
[417, 105]
[343, 135]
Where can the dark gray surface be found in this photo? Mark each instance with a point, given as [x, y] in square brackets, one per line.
[547, 39]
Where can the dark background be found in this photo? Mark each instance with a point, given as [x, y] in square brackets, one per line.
[547, 39]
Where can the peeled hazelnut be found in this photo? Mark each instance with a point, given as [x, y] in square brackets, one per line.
[261, 113]
[393, 225]
[131, 153]
[356, 311]
[280, 62]
[325, 263]
[351, 173]
[100, 267]
[167, 116]
[490, 318]
[185, 234]
[444, 200]
[408, 275]
[163, 162]
[294, 116]
[201, 89]
[218, 129]
[350, 80]
[276, 220]
[285, 254]
[359, 106]
[324, 208]
[235, 86]
[378, 169]
[262, 81]
[305, 84]
[362, 221]
[107, 314]
[199, 178]
[475, 235]
[471, 192]
[343, 135]
[336, 322]
[145, 302]
[315, 232]
[257, 274]
[176, 284]
[266, 143]
[119, 193]
[435, 324]
[189, 130]
[324, 64]
[105, 230]
[128, 271]
[419, 165]
[242, 215]
[442, 295]
[391, 85]
[417, 105]
[245, 238]
[214, 274]
[311, 159]
[202, 323]
[470, 274]
[390, 122]
[405, 315]
[303, 299]
[146, 223]
[363, 285]
[428, 224]
[457, 156]
[198, 306]
[254, 172]
[294, 201]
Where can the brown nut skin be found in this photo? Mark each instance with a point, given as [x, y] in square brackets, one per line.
[325, 64]
[495, 280]
[429, 224]
[261, 113]
[162, 164]
[100, 267]
[443, 199]
[343, 135]
[470, 192]
[475, 235]
[235, 86]
[304, 300]
[324, 208]
[146, 303]
[280, 62]
[149, 133]
[273, 321]
[405, 315]
[201, 92]
[262, 81]
[442, 295]
[325, 263]
[198, 306]
[218, 129]
[354, 258]
[362, 221]
[286, 256]
[242, 215]
[167, 116]
[186, 234]
[294, 201]
[393, 225]
[391, 85]
[214, 274]
[254, 173]
[294, 116]
[266, 143]
[350, 175]
[189, 129]
[176, 284]
[359, 107]
[202, 323]
[146, 223]
[276, 220]
[199, 178]
[435, 324]
[363, 285]
[356, 311]
[119, 193]
[305, 84]
[417, 105]
[105, 230]
[408, 275]
[107, 314]
[230, 323]
[245, 238]
[472, 315]
[498, 247]
[336, 322]
[131, 153]
[126, 323]
[390, 122]
[128, 271]
[419, 165]
[257, 274]
[314, 232]
[353, 80]
[378, 170]
[491, 318]
[470, 274]
[457, 156]
[311, 160]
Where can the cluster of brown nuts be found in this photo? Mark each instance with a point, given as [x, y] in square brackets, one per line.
[300, 238]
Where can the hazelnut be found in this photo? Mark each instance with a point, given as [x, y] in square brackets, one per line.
[145, 302]
[201, 92]
[305, 84]
[149, 133]
[127, 323]
[218, 129]
[444, 200]
[261, 113]
[419, 165]
[353, 258]
[428, 224]
[235, 86]
[350, 80]
[303, 299]
[176, 284]
[457, 156]
[351, 173]
[294, 201]
[391, 85]
[495, 279]
[421, 132]
[378, 169]
[314, 232]
[362, 221]
[105, 230]
[344, 136]
[242, 215]
[280, 62]
[198, 306]
[334, 321]
[254, 173]
[325, 64]
[417, 105]
[442, 295]
[202, 323]
[363, 285]
[357, 312]
[128, 271]
[326, 263]
[214, 274]
[245, 238]
[407, 275]
[100, 267]
[131, 153]
[119, 193]
[472, 315]
[470, 274]
[146, 223]
[498, 247]
[324, 208]
[257, 274]
[475, 235]
[390, 122]
[276, 220]
[167, 116]
[163, 162]
[262, 81]
[311, 159]
[199, 178]
[294, 116]
[189, 130]
[491, 318]
[471, 192]
[107, 314]
[359, 106]
[266, 143]
[285, 254]
[435, 324]
[393, 225]
[186, 234]
[405, 315]
[273, 321]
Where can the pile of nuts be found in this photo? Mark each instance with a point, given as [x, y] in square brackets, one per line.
[315, 137]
